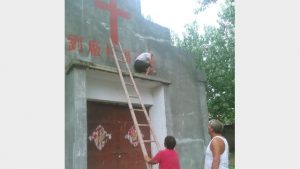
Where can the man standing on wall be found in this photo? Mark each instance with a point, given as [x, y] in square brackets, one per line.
[144, 63]
[217, 151]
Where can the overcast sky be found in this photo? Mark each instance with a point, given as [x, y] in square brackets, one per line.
[174, 14]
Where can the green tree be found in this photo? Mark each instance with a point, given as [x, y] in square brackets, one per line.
[204, 4]
[214, 52]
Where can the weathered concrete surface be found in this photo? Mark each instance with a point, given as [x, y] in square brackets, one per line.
[187, 116]
[84, 19]
[75, 120]
[185, 98]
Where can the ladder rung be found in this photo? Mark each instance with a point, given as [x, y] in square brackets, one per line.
[125, 73]
[120, 60]
[138, 109]
[129, 84]
[149, 141]
[133, 96]
[117, 47]
[143, 124]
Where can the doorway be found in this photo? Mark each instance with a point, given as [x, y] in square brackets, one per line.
[112, 141]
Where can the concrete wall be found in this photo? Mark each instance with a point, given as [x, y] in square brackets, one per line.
[75, 120]
[85, 20]
[187, 102]
[185, 98]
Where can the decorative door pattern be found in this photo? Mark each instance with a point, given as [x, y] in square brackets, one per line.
[132, 136]
[100, 137]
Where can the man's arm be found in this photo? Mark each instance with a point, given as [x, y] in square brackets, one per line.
[152, 62]
[149, 160]
[151, 69]
[217, 147]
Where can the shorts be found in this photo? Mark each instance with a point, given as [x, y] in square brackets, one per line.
[140, 66]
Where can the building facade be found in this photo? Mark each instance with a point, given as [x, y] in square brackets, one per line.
[99, 131]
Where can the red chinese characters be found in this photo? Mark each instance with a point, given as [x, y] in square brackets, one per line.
[94, 48]
[108, 52]
[127, 56]
[75, 42]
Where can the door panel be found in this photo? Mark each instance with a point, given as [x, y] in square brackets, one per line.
[115, 150]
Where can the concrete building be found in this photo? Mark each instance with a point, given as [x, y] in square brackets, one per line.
[98, 126]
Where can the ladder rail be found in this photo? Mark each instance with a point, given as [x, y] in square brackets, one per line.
[140, 99]
[139, 134]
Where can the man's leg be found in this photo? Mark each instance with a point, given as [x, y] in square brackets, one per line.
[148, 70]
[153, 71]
[139, 66]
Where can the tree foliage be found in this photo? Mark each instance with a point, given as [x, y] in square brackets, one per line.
[204, 4]
[214, 51]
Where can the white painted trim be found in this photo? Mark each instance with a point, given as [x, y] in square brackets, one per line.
[158, 118]
[113, 91]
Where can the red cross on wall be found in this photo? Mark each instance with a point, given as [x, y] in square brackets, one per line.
[114, 13]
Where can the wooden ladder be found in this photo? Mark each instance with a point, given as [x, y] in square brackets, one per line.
[137, 96]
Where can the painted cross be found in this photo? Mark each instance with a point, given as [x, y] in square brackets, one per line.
[114, 13]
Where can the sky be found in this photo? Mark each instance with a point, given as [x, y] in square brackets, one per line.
[174, 14]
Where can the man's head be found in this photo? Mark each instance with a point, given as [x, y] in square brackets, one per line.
[170, 142]
[216, 125]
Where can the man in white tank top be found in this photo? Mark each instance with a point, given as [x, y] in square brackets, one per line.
[217, 152]
[144, 63]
